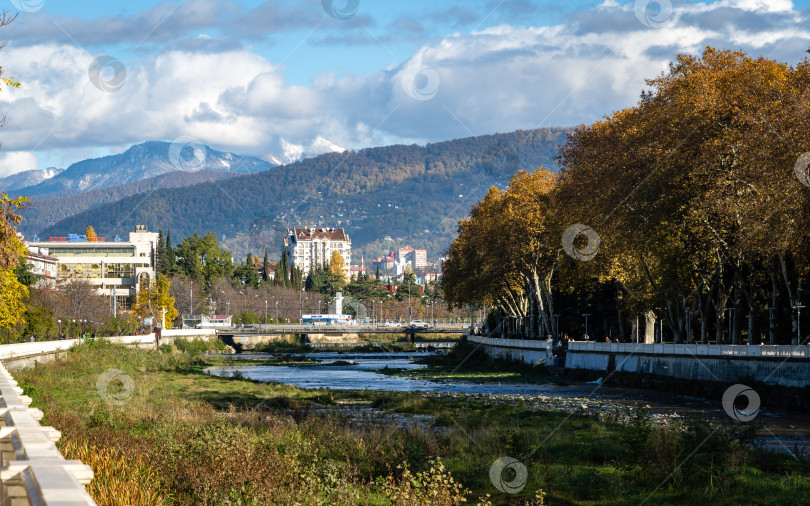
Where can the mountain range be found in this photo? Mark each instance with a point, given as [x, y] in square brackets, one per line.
[142, 161]
[27, 178]
[384, 196]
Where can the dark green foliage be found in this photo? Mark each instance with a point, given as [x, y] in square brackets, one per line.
[246, 275]
[24, 274]
[325, 282]
[202, 259]
[265, 266]
[364, 288]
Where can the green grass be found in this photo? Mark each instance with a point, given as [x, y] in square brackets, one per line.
[185, 437]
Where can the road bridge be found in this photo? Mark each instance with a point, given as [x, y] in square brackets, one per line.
[234, 333]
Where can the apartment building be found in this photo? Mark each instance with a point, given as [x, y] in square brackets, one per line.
[312, 247]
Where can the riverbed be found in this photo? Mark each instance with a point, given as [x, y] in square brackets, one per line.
[359, 371]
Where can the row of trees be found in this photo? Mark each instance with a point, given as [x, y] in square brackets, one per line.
[697, 202]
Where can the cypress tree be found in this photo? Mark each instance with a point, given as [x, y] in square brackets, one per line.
[265, 266]
[378, 271]
[170, 252]
[249, 259]
[160, 254]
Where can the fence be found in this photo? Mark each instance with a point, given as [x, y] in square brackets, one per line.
[694, 350]
[32, 471]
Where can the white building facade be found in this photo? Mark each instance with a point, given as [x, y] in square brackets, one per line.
[115, 268]
[308, 248]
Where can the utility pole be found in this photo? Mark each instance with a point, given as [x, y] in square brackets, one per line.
[265, 311]
[586, 315]
[190, 298]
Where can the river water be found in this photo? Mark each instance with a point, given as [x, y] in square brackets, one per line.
[779, 431]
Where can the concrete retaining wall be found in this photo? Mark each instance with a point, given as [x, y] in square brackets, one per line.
[516, 350]
[787, 366]
[23, 355]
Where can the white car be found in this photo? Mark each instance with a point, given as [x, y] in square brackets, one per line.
[418, 324]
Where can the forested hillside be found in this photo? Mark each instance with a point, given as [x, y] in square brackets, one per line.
[42, 213]
[416, 193]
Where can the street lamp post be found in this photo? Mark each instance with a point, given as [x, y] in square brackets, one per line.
[798, 309]
[730, 323]
[265, 311]
[586, 315]
[557, 328]
[276, 312]
[771, 329]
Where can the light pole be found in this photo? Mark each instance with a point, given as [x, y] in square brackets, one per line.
[730, 324]
[265, 311]
[60, 328]
[276, 312]
[798, 309]
[586, 315]
[409, 299]
[557, 328]
[771, 329]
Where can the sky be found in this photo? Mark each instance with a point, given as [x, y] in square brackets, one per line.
[282, 79]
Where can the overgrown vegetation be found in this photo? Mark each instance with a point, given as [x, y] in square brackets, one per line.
[190, 438]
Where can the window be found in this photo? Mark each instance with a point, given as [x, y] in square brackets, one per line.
[119, 270]
[92, 251]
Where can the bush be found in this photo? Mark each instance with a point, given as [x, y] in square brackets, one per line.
[199, 346]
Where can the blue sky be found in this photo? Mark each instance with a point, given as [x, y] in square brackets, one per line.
[282, 79]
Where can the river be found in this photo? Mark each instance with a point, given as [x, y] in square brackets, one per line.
[779, 431]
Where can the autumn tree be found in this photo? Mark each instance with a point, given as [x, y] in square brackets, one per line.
[697, 202]
[337, 265]
[152, 300]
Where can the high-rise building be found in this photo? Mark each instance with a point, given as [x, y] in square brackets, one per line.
[312, 247]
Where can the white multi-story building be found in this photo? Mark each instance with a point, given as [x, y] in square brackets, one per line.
[115, 268]
[44, 266]
[312, 247]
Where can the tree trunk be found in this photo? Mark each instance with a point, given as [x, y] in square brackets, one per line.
[793, 300]
[772, 311]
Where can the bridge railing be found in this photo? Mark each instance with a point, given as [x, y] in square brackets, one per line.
[32, 471]
[699, 350]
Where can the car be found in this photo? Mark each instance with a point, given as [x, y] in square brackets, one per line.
[391, 324]
[418, 324]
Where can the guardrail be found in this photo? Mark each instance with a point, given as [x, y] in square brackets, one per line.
[699, 350]
[544, 344]
[32, 471]
[348, 329]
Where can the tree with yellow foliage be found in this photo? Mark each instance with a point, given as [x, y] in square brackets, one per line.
[90, 233]
[337, 265]
[12, 292]
[152, 299]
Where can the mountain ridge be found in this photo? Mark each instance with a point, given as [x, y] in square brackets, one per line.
[141, 161]
[399, 191]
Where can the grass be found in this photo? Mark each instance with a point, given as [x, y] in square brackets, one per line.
[468, 362]
[185, 437]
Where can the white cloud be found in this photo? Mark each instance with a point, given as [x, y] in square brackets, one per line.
[495, 80]
[12, 162]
